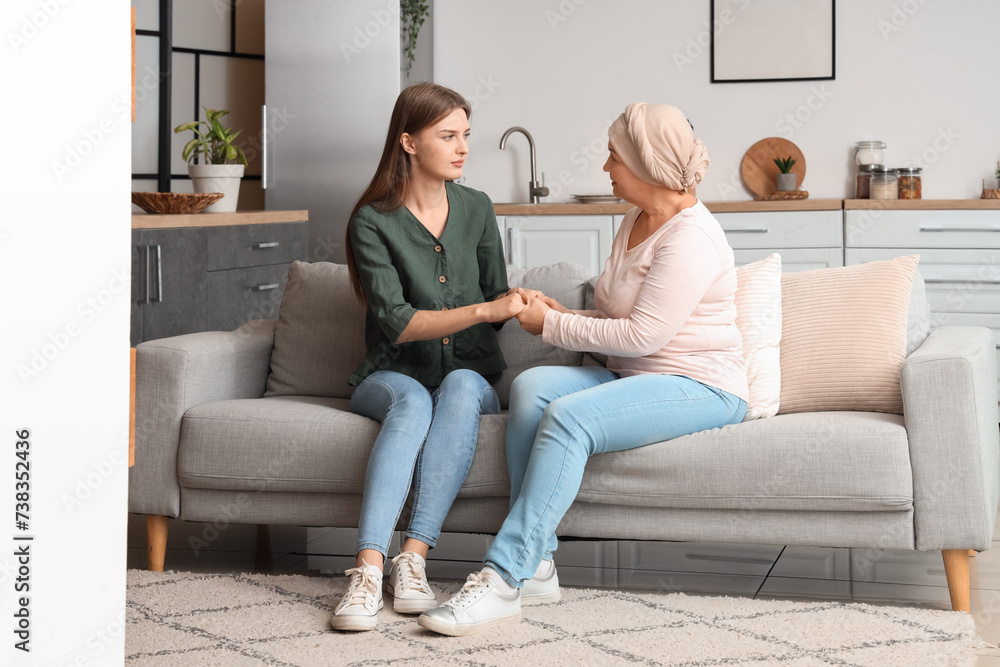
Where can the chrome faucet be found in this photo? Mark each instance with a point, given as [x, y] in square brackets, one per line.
[535, 189]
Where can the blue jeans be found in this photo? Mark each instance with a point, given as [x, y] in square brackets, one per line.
[428, 437]
[559, 417]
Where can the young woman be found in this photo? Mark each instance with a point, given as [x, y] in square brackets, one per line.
[666, 317]
[425, 256]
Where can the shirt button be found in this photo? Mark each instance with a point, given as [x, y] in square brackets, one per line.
[441, 279]
[445, 340]
[437, 248]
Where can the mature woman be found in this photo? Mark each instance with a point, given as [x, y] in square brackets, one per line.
[425, 255]
[667, 319]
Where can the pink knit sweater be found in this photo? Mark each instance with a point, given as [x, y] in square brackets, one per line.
[665, 306]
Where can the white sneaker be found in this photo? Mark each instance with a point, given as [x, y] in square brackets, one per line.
[543, 587]
[479, 606]
[411, 594]
[359, 608]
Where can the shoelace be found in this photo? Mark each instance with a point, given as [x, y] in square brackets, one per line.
[411, 573]
[363, 588]
[470, 590]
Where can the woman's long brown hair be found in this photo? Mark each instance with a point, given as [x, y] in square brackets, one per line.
[417, 107]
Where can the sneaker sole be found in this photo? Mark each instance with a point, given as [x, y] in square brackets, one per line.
[411, 606]
[354, 623]
[466, 630]
[541, 598]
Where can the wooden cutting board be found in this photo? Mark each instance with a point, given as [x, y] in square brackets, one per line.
[758, 168]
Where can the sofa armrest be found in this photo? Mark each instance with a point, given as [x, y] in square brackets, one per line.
[950, 410]
[178, 373]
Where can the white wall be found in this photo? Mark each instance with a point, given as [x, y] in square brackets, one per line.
[926, 83]
[64, 264]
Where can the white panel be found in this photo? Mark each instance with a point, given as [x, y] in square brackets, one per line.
[236, 84]
[547, 239]
[147, 14]
[794, 259]
[147, 100]
[65, 248]
[202, 24]
[250, 26]
[783, 229]
[182, 108]
[922, 229]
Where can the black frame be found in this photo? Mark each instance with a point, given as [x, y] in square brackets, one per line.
[833, 54]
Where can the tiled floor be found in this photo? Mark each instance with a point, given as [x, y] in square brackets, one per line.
[799, 573]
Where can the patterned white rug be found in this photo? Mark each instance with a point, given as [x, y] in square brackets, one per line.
[248, 619]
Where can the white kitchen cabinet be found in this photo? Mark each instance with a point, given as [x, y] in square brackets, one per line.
[959, 258]
[804, 239]
[538, 240]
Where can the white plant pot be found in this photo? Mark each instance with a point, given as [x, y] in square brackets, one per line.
[224, 178]
[787, 182]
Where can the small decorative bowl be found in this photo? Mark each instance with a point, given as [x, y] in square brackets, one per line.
[175, 202]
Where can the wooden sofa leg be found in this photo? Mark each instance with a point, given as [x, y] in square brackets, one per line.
[956, 569]
[156, 541]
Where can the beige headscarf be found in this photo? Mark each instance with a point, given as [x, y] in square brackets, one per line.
[657, 144]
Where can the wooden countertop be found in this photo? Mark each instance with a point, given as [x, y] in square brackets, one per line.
[166, 221]
[714, 207]
[750, 206]
[923, 204]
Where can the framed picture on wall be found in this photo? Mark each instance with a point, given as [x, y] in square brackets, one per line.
[772, 40]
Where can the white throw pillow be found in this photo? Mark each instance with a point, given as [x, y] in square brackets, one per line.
[758, 317]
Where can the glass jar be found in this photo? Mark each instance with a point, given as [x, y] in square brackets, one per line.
[909, 182]
[883, 184]
[869, 152]
[862, 189]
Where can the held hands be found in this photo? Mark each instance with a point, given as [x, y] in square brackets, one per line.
[506, 306]
[532, 316]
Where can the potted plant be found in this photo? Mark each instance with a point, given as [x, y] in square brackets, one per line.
[786, 179]
[215, 144]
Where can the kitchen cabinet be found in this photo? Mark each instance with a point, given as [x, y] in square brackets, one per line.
[959, 257]
[804, 239]
[212, 277]
[168, 283]
[531, 241]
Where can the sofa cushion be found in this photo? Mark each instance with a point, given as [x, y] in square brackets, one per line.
[320, 336]
[843, 338]
[821, 461]
[827, 461]
[758, 317]
[566, 283]
[284, 443]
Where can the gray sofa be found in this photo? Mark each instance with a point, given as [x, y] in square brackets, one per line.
[254, 426]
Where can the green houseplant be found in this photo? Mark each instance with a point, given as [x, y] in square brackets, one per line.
[214, 144]
[786, 179]
[412, 14]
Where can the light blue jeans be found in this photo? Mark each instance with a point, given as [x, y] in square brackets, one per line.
[428, 437]
[559, 417]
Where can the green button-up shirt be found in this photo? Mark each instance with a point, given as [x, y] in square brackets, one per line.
[403, 268]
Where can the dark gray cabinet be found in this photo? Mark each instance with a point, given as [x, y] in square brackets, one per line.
[186, 280]
[168, 282]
